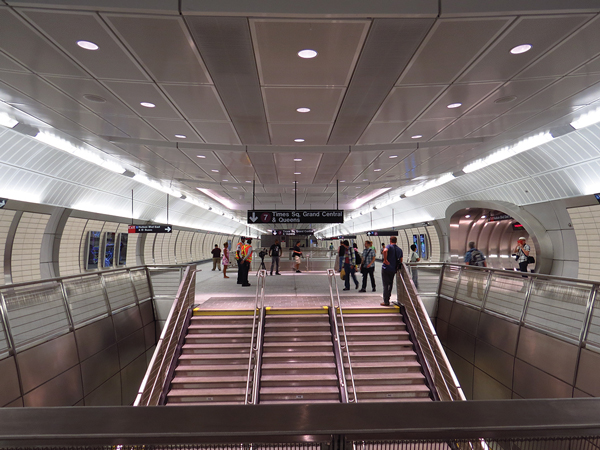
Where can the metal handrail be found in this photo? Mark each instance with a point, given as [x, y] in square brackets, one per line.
[331, 278]
[154, 380]
[256, 344]
[444, 379]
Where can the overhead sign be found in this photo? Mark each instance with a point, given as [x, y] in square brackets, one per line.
[150, 229]
[498, 217]
[340, 238]
[3, 202]
[382, 233]
[293, 232]
[296, 216]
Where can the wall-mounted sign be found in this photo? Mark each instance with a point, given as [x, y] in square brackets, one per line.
[340, 238]
[382, 233]
[498, 217]
[292, 232]
[595, 195]
[3, 202]
[296, 216]
[150, 229]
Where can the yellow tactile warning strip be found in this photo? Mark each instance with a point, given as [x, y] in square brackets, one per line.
[321, 310]
[382, 310]
[223, 312]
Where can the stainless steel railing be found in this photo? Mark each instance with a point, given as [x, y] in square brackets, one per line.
[341, 346]
[443, 377]
[156, 376]
[254, 358]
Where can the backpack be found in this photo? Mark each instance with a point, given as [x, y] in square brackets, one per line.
[477, 258]
[358, 257]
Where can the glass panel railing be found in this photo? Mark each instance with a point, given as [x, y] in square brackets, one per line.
[87, 299]
[449, 280]
[473, 282]
[506, 295]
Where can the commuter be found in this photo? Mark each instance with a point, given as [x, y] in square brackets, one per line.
[382, 249]
[216, 252]
[341, 254]
[413, 259]
[392, 260]
[474, 257]
[522, 253]
[245, 261]
[225, 261]
[349, 266]
[238, 258]
[331, 249]
[297, 254]
[275, 253]
[367, 267]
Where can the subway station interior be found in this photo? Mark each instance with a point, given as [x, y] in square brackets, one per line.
[138, 137]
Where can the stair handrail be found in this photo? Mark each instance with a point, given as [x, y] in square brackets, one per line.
[256, 341]
[331, 278]
[444, 379]
[156, 376]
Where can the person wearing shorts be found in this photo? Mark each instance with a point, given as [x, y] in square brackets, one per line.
[297, 254]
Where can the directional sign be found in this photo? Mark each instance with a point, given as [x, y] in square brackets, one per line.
[382, 233]
[293, 232]
[297, 216]
[2, 202]
[150, 228]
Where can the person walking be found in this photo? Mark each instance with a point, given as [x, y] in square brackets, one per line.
[245, 261]
[225, 260]
[367, 267]
[216, 252]
[522, 251]
[474, 257]
[238, 251]
[392, 258]
[275, 253]
[349, 266]
[297, 254]
[382, 249]
[412, 260]
[341, 254]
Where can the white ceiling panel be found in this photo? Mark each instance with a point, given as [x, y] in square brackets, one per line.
[406, 103]
[329, 166]
[7, 63]
[451, 45]
[574, 51]
[281, 103]
[467, 94]
[135, 93]
[313, 133]
[425, 128]
[277, 43]
[110, 61]
[136, 128]
[464, 126]
[592, 67]
[382, 132]
[152, 40]
[217, 132]
[264, 165]
[501, 124]
[31, 49]
[171, 128]
[542, 33]
[196, 102]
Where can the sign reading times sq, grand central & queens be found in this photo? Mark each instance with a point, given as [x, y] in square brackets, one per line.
[296, 216]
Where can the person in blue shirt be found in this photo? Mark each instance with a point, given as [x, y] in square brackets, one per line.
[474, 257]
[392, 257]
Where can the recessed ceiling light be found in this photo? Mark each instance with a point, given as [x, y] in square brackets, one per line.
[483, 217]
[377, 170]
[225, 180]
[214, 170]
[297, 173]
[235, 187]
[366, 179]
[180, 136]
[201, 156]
[520, 49]
[147, 104]
[298, 140]
[454, 105]
[342, 181]
[307, 53]
[87, 45]
[416, 136]
[358, 187]
[303, 110]
[248, 181]
[393, 156]
[468, 216]
[297, 159]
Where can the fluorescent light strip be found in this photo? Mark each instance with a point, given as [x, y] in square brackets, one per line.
[80, 152]
[430, 185]
[7, 121]
[509, 152]
[140, 178]
[587, 119]
[222, 200]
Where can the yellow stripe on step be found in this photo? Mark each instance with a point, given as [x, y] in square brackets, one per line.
[223, 312]
[273, 311]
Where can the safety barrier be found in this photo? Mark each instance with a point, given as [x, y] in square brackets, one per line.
[254, 360]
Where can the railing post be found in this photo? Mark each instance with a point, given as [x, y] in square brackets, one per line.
[439, 288]
[487, 290]
[458, 280]
[12, 350]
[589, 311]
[63, 290]
[527, 297]
[105, 291]
[137, 297]
[149, 279]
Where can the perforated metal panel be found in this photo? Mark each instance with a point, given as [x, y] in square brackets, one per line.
[119, 289]
[472, 286]
[86, 299]
[506, 295]
[449, 281]
[141, 283]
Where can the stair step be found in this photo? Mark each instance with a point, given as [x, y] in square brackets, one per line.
[394, 399]
[269, 355]
[297, 377]
[300, 390]
[383, 364]
[372, 378]
[207, 367]
[290, 345]
[302, 400]
[234, 379]
[195, 325]
[212, 356]
[310, 365]
[379, 316]
[192, 333]
[299, 324]
[206, 392]
[409, 388]
[238, 402]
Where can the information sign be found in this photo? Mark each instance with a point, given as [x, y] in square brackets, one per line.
[296, 216]
[498, 217]
[150, 229]
[292, 232]
[382, 233]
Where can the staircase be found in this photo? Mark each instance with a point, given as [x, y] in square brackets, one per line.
[213, 366]
[298, 363]
[385, 365]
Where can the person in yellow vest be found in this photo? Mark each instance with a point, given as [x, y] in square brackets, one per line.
[245, 260]
[238, 259]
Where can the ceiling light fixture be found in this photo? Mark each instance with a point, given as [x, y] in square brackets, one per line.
[587, 119]
[430, 184]
[307, 53]
[520, 49]
[393, 156]
[87, 45]
[298, 140]
[377, 170]
[366, 179]
[7, 121]
[147, 104]
[214, 170]
[297, 173]
[225, 181]
[454, 105]
[201, 156]
[303, 110]
[468, 216]
[416, 136]
[297, 159]
[180, 136]
[248, 181]
[483, 217]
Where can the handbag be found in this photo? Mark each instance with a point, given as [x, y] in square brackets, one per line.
[530, 260]
[343, 274]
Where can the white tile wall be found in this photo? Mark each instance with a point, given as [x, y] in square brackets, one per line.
[27, 246]
[586, 223]
[148, 249]
[70, 247]
[6, 218]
